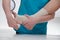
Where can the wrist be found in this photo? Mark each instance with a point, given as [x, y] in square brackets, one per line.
[36, 19]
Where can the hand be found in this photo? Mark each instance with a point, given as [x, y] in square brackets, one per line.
[30, 22]
[12, 22]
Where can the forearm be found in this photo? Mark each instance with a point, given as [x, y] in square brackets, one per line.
[45, 18]
[6, 7]
[52, 6]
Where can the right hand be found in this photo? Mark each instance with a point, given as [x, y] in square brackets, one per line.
[12, 22]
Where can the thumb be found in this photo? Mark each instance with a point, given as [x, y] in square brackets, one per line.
[14, 13]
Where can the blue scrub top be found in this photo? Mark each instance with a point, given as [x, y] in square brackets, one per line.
[30, 7]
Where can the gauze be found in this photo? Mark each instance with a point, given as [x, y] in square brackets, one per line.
[21, 18]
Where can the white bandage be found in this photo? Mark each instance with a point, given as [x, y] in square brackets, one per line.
[40, 13]
[21, 18]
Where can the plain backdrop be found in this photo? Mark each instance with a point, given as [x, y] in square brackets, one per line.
[53, 27]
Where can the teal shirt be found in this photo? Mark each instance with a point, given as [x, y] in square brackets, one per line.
[30, 7]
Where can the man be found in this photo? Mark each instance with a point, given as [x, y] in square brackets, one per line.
[34, 24]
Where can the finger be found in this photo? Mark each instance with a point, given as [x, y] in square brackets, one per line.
[14, 13]
[16, 27]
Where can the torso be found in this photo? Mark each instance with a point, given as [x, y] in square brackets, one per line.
[30, 7]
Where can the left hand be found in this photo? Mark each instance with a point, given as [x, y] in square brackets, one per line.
[30, 22]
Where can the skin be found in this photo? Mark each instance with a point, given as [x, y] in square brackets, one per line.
[31, 21]
[12, 22]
